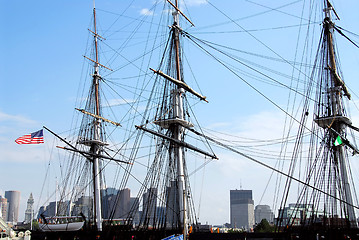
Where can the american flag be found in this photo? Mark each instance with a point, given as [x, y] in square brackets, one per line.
[33, 138]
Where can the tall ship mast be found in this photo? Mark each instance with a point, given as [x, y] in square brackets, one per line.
[167, 178]
[326, 197]
[95, 139]
[84, 181]
[335, 120]
[163, 203]
[162, 135]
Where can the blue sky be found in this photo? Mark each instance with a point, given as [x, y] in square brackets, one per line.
[43, 43]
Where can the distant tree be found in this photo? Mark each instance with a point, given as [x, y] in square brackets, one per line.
[35, 225]
[264, 226]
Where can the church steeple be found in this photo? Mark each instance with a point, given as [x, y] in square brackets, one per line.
[29, 212]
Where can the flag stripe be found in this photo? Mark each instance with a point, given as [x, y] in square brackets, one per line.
[33, 138]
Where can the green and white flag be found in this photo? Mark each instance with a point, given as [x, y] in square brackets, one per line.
[338, 141]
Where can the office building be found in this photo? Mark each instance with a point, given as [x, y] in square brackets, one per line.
[241, 209]
[134, 210]
[149, 206]
[83, 205]
[120, 204]
[263, 212]
[3, 208]
[13, 199]
[108, 197]
[172, 205]
[296, 214]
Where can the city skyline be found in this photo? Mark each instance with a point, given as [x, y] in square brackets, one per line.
[55, 60]
[244, 213]
[118, 204]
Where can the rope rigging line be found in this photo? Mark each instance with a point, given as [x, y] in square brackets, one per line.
[255, 89]
[246, 65]
[103, 168]
[258, 30]
[277, 9]
[120, 15]
[124, 16]
[247, 17]
[280, 172]
[209, 43]
[131, 62]
[345, 30]
[341, 33]
[258, 40]
[246, 139]
[131, 104]
[194, 116]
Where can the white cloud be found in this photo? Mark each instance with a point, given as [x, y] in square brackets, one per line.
[13, 153]
[146, 12]
[12, 127]
[194, 2]
[187, 3]
[261, 126]
[4, 117]
[219, 125]
[117, 102]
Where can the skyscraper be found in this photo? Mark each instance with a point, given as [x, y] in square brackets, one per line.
[149, 206]
[122, 204]
[13, 199]
[241, 209]
[83, 205]
[172, 206]
[263, 212]
[29, 212]
[134, 209]
[119, 204]
[3, 208]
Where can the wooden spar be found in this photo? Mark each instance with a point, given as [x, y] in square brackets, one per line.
[329, 4]
[94, 24]
[177, 9]
[181, 143]
[96, 74]
[345, 141]
[177, 131]
[180, 84]
[95, 34]
[340, 82]
[95, 148]
[73, 147]
[98, 63]
[336, 107]
[98, 117]
[93, 155]
[352, 127]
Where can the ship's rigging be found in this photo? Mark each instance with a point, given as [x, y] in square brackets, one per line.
[169, 119]
[327, 164]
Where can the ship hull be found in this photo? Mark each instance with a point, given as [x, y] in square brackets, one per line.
[114, 234]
